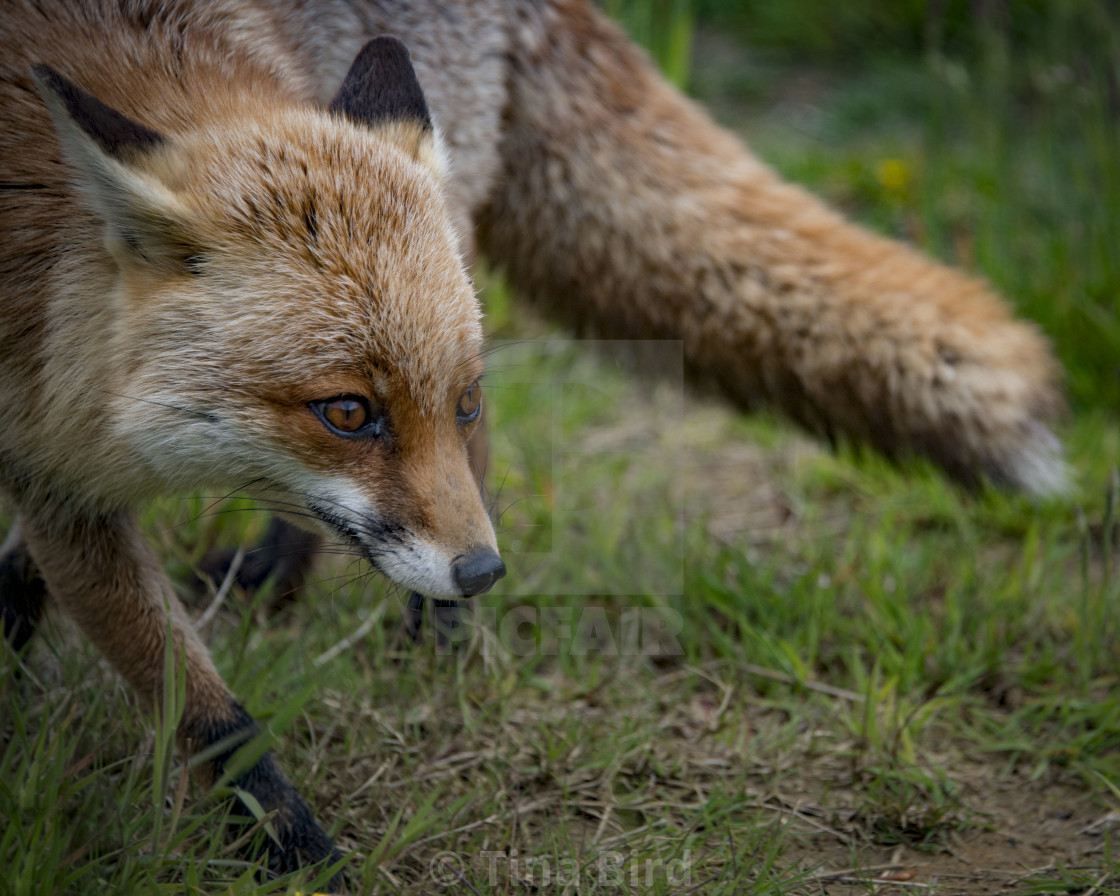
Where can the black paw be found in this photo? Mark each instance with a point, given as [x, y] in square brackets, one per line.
[296, 841]
[283, 555]
[293, 840]
[22, 595]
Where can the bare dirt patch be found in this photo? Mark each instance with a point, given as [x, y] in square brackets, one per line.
[1029, 837]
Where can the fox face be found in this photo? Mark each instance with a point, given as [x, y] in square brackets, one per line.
[291, 319]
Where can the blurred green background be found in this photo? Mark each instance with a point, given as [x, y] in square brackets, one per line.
[985, 131]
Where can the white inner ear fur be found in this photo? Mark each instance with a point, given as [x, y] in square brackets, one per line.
[145, 220]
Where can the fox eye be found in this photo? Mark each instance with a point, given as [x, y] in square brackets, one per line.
[470, 405]
[348, 415]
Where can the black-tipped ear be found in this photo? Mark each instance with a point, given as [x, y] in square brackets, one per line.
[145, 222]
[381, 86]
[116, 134]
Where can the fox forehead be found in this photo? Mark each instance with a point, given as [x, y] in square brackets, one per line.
[328, 245]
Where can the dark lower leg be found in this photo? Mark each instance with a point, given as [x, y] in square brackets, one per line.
[284, 554]
[22, 592]
[299, 840]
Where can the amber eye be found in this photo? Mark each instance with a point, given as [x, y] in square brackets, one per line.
[470, 405]
[348, 415]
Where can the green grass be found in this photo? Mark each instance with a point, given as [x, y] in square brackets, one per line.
[724, 660]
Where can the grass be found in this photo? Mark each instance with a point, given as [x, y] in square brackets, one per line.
[725, 660]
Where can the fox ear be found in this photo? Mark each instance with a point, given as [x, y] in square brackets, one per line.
[146, 224]
[381, 87]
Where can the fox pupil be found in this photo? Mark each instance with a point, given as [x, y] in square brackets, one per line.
[470, 403]
[346, 414]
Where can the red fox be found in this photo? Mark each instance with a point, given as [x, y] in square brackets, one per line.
[222, 268]
[209, 279]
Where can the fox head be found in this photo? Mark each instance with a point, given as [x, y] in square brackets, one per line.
[289, 315]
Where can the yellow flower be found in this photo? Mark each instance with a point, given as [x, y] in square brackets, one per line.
[894, 175]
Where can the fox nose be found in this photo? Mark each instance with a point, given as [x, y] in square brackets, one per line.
[476, 572]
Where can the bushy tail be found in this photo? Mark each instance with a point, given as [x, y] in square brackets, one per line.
[622, 203]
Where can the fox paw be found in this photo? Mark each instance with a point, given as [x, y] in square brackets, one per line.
[283, 555]
[22, 595]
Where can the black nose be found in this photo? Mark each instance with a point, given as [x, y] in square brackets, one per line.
[476, 572]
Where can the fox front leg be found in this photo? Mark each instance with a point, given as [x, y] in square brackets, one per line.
[106, 577]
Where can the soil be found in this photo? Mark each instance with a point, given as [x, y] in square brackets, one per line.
[1036, 837]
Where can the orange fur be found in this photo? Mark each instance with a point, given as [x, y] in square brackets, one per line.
[285, 256]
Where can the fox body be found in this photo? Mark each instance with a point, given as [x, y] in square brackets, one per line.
[621, 207]
[210, 279]
[221, 269]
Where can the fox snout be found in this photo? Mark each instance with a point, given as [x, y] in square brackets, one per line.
[475, 573]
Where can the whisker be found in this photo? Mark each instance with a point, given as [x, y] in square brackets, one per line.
[517, 501]
[491, 348]
[344, 526]
[227, 496]
[162, 404]
[348, 580]
[497, 494]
